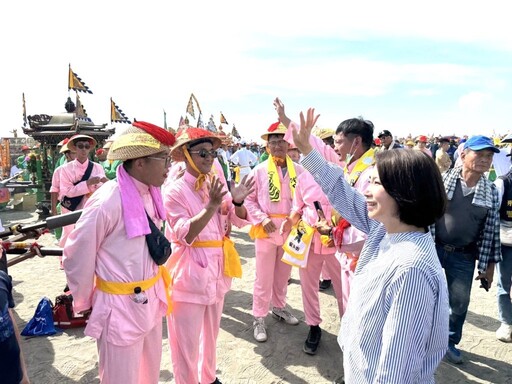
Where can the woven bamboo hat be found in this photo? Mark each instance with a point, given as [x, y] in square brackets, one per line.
[187, 135]
[76, 138]
[141, 139]
[275, 129]
[323, 133]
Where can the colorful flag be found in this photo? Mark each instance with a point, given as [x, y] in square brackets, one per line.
[200, 123]
[190, 107]
[80, 110]
[165, 120]
[223, 119]
[182, 122]
[76, 83]
[24, 111]
[211, 125]
[116, 114]
[235, 133]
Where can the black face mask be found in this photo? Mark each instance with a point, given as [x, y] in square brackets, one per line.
[158, 245]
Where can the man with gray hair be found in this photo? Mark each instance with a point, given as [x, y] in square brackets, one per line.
[468, 231]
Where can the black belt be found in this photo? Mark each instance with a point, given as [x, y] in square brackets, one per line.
[452, 248]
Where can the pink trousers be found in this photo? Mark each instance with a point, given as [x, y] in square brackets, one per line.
[193, 331]
[347, 273]
[272, 276]
[134, 364]
[309, 284]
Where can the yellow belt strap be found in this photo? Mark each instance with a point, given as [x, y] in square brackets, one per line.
[120, 288]
[232, 264]
[258, 232]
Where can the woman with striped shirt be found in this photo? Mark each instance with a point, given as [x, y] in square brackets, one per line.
[395, 329]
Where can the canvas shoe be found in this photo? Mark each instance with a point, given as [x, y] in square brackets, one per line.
[283, 314]
[324, 284]
[313, 340]
[453, 355]
[260, 332]
[504, 333]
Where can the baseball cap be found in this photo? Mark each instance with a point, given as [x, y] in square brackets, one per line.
[384, 133]
[479, 142]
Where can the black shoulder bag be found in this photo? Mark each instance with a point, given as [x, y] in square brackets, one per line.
[70, 203]
[158, 245]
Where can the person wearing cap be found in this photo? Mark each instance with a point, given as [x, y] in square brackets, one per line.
[73, 182]
[409, 144]
[109, 166]
[468, 231]
[110, 267]
[269, 205]
[68, 156]
[387, 140]
[443, 160]
[21, 161]
[421, 145]
[504, 268]
[200, 213]
[354, 153]
[244, 159]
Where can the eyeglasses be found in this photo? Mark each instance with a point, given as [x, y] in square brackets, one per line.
[83, 146]
[277, 142]
[203, 153]
[167, 160]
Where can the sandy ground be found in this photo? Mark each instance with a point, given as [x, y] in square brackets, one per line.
[70, 357]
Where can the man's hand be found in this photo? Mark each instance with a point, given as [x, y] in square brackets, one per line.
[279, 106]
[301, 137]
[216, 193]
[286, 226]
[268, 225]
[488, 274]
[93, 181]
[244, 189]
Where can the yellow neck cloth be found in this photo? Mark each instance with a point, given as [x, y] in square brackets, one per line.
[274, 182]
[202, 176]
[365, 161]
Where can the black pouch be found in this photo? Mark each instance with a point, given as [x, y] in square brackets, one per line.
[70, 203]
[158, 245]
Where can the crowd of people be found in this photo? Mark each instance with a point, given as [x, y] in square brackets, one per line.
[400, 228]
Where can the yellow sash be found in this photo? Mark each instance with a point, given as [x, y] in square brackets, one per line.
[274, 183]
[232, 264]
[365, 161]
[120, 288]
[258, 232]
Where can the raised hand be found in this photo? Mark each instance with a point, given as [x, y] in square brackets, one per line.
[279, 106]
[244, 189]
[301, 136]
[216, 192]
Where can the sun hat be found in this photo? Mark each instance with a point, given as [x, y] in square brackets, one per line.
[187, 136]
[323, 133]
[64, 146]
[422, 139]
[25, 148]
[384, 133]
[409, 142]
[73, 139]
[479, 142]
[141, 139]
[275, 129]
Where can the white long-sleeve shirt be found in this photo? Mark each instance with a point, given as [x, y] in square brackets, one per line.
[395, 329]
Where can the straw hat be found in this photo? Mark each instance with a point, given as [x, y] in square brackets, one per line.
[64, 146]
[141, 139]
[275, 129]
[410, 142]
[187, 136]
[73, 139]
[107, 144]
[323, 133]
[422, 139]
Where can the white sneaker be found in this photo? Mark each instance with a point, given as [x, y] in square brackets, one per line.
[283, 314]
[504, 333]
[260, 332]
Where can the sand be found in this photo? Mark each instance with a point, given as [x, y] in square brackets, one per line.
[70, 357]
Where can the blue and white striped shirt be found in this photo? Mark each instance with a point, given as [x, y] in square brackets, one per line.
[395, 329]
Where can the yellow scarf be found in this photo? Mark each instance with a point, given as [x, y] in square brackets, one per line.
[274, 183]
[365, 161]
[202, 176]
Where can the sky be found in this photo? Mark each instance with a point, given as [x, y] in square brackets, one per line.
[436, 67]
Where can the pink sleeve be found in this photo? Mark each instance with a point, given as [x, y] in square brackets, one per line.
[252, 204]
[317, 143]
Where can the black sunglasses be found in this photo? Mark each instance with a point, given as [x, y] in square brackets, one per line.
[203, 153]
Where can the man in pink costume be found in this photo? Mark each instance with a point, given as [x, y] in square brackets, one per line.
[71, 174]
[270, 204]
[321, 255]
[352, 150]
[200, 211]
[109, 266]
